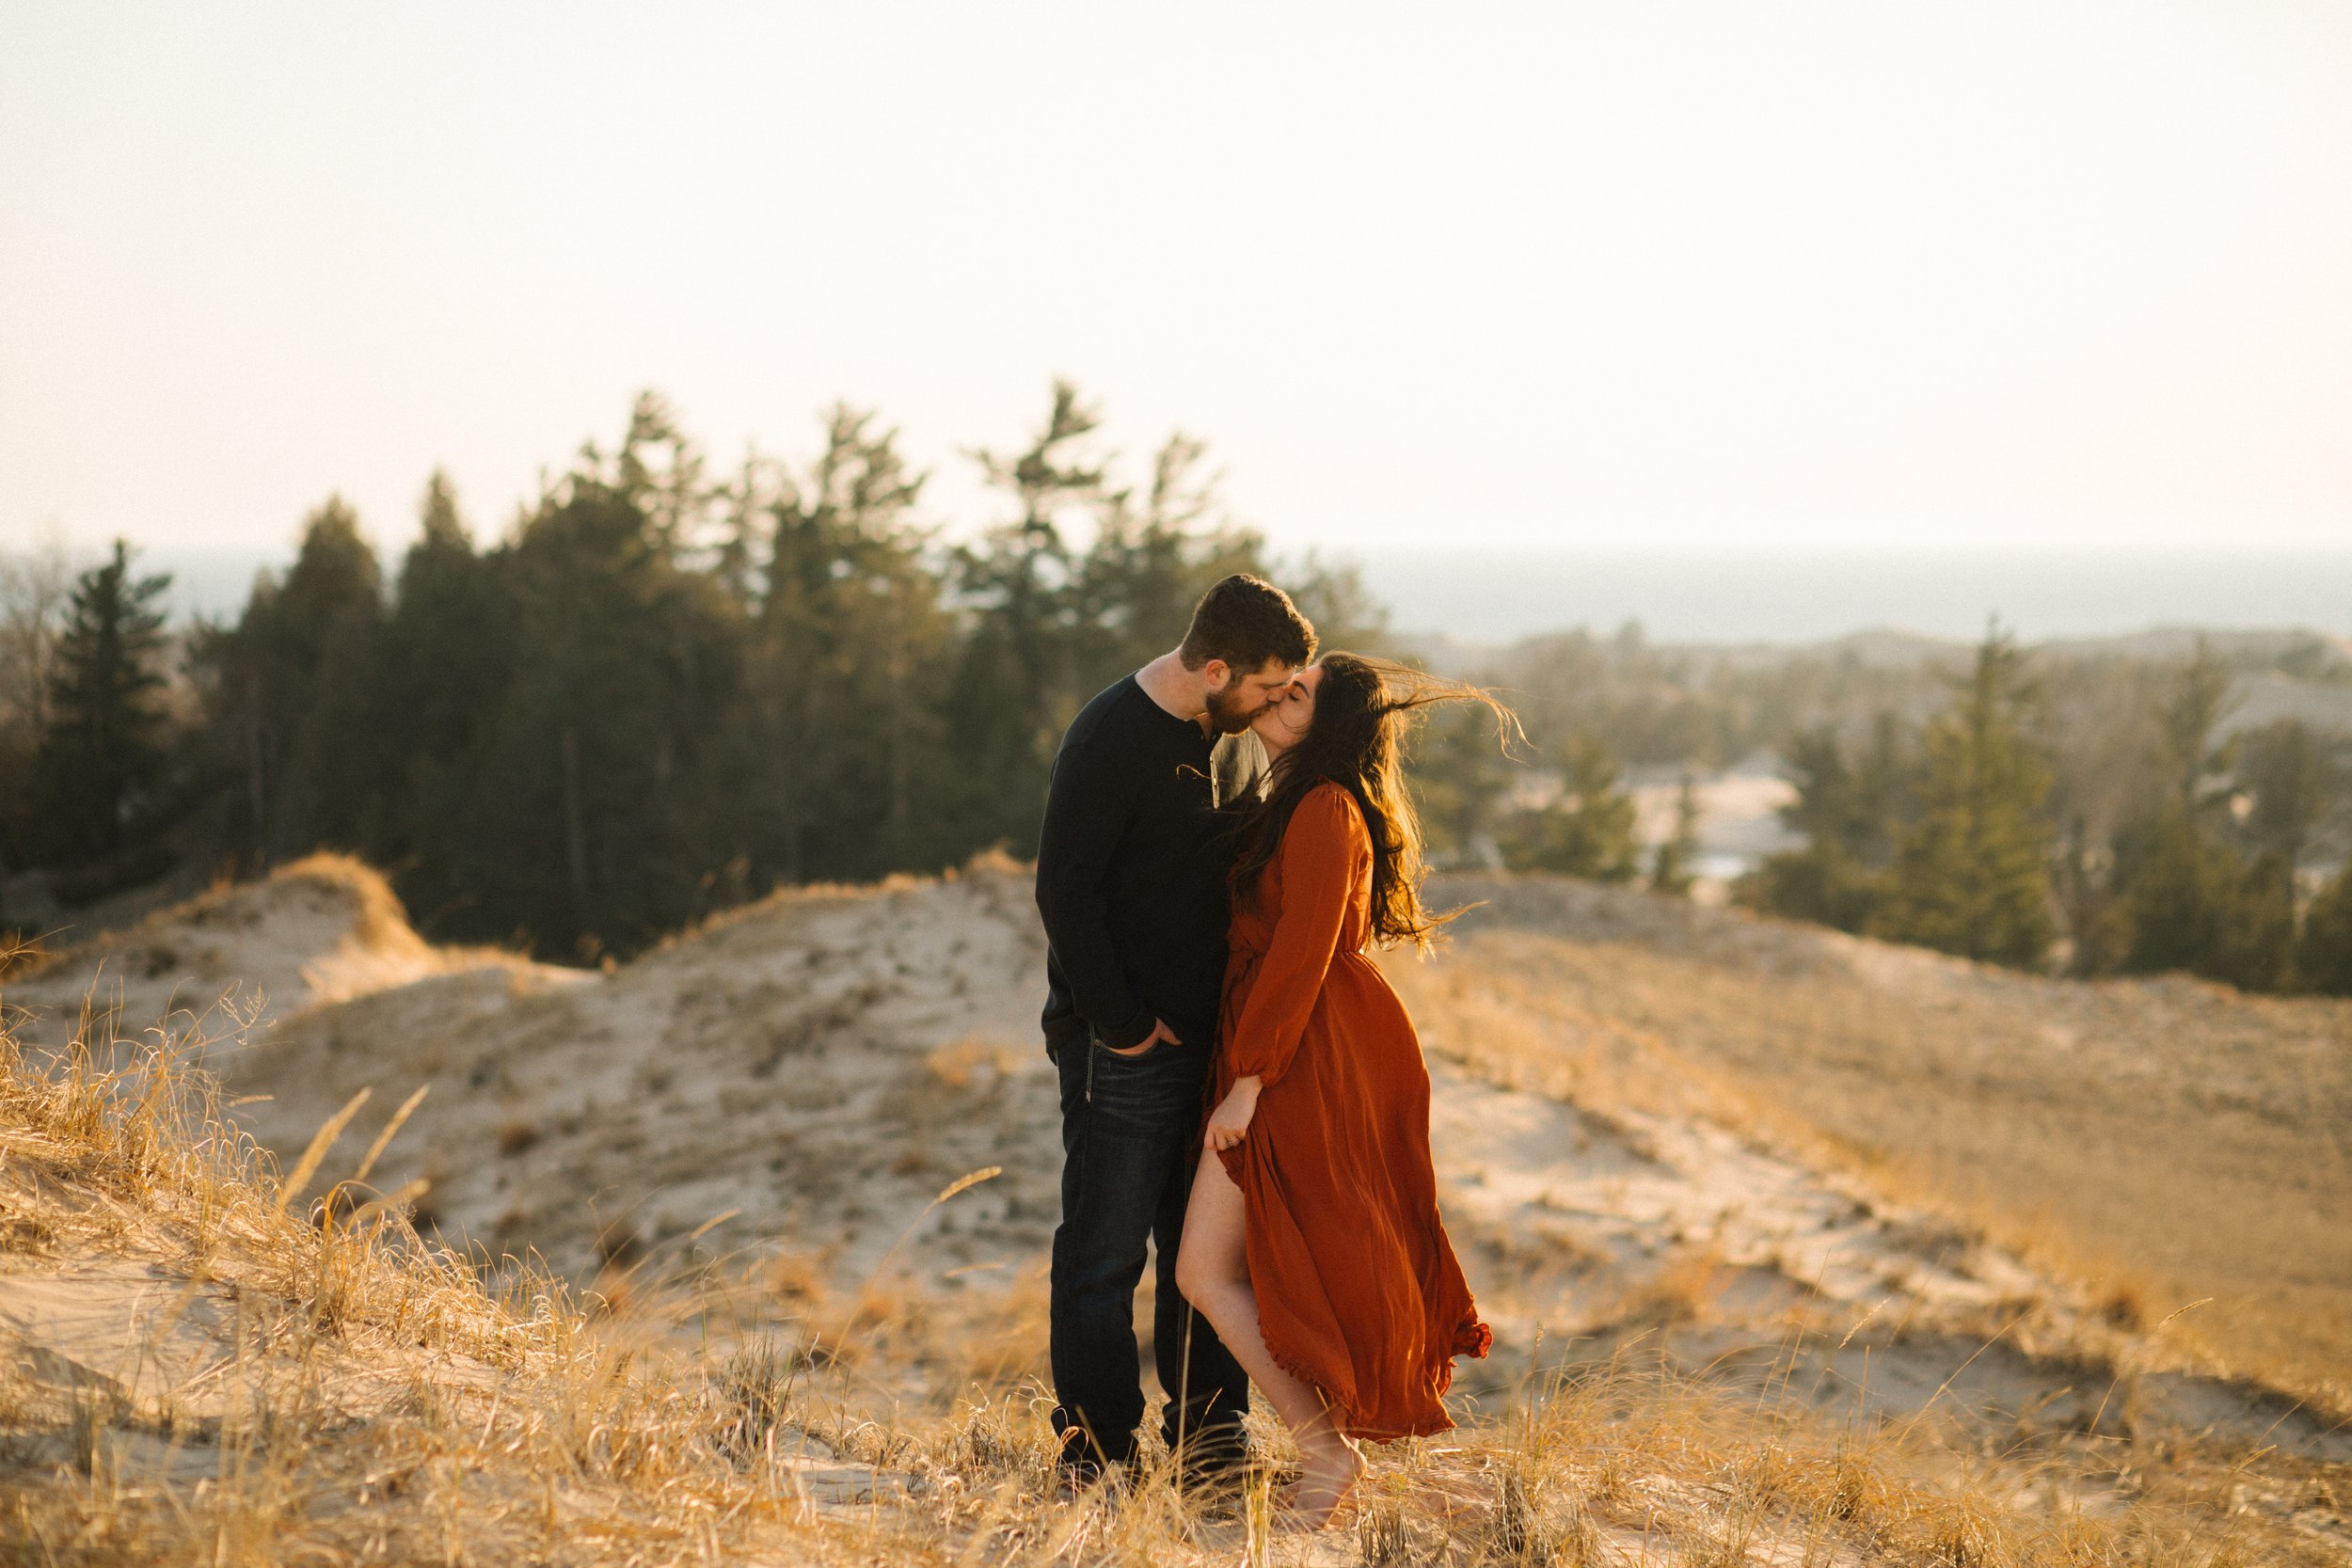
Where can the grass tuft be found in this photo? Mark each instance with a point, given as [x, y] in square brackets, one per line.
[257, 1380]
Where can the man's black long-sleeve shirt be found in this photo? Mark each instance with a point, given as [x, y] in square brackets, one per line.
[1131, 876]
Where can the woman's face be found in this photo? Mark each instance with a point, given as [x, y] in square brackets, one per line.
[1283, 722]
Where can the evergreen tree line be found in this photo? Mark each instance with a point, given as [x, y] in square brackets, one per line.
[664, 690]
[1571, 814]
[1974, 835]
[84, 759]
[1665, 707]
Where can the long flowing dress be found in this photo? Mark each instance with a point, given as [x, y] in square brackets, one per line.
[1358, 1291]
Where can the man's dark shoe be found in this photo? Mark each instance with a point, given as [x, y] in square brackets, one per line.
[1216, 1474]
[1076, 1477]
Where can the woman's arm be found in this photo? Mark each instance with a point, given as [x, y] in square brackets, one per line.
[1318, 866]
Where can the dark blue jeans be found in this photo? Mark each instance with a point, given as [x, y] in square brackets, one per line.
[1130, 1138]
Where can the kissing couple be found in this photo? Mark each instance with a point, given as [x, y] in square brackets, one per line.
[1240, 1089]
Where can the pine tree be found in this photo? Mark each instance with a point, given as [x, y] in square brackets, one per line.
[2192, 902]
[1971, 874]
[2283, 775]
[292, 718]
[446, 649]
[1588, 832]
[2179, 880]
[2192, 710]
[1459, 776]
[848, 658]
[1018, 685]
[33, 590]
[599, 804]
[102, 755]
[2322, 955]
[444, 665]
[1849, 808]
[1672, 872]
[1135, 587]
[661, 470]
[1332, 595]
[2282, 791]
[2302, 783]
[2097, 919]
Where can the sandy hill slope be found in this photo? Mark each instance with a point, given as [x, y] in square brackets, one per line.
[787, 1090]
[320, 930]
[1653, 1126]
[193, 1368]
[2187, 1147]
[818, 1064]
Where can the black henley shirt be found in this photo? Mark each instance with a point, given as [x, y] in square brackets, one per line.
[1131, 876]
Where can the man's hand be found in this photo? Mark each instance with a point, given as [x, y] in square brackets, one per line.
[1228, 1124]
[1160, 1031]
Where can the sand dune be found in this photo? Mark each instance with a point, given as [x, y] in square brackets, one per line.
[2174, 1147]
[320, 930]
[785, 1091]
[1649, 1120]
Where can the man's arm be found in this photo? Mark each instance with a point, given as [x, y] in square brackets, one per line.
[1087, 809]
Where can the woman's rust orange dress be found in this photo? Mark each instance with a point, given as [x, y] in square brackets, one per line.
[1359, 1292]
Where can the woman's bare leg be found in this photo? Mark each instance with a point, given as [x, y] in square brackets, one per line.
[1213, 1271]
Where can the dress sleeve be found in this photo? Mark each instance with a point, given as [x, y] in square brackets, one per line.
[1318, 867]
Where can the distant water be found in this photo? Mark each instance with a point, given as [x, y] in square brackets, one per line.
[212, 583]
[1490, 597]
[1494, 597]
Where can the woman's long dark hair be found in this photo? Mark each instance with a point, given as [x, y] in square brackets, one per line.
[1363, 708]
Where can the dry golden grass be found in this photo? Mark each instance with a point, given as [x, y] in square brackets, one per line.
[2166, 1143]
[390, 1405]
[359, 1396]
[369, 1398]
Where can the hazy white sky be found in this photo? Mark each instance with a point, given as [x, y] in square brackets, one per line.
[1677, 276]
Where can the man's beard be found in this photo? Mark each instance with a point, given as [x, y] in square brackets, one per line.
[1225, 714]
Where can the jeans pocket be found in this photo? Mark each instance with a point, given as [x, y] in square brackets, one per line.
[1145, 1090]
[1104, 1062]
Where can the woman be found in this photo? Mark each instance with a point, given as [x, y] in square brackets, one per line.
[1313, 1241]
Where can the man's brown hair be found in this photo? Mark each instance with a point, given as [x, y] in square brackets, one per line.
[1246, 621]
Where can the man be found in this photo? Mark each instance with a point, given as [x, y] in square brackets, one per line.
[1131, 880]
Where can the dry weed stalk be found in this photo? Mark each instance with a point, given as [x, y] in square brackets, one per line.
[381, 1400]
[379, 1397]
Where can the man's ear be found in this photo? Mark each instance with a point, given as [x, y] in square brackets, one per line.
[1216, 675]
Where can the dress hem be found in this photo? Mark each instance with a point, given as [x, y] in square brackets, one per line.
[1472, 1341]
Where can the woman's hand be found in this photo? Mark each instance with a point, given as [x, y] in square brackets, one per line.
[1228, 1124]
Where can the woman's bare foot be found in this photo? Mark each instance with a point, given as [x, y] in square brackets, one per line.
[1328, 1472]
